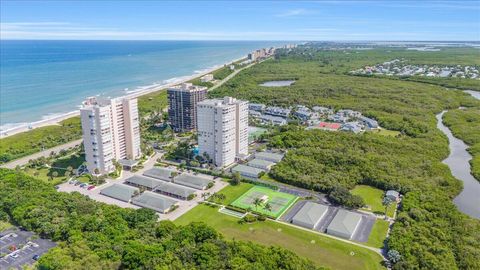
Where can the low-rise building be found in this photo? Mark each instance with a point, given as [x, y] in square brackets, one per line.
[160, 173]
[193, 181]
[254, 114]
[273, 120]
[310, 215]
[352, 127]
[269, 156]
[368, 122]
[256, 107]
[303, 113]
[120, 192]
[154, 201]
[344, 224]
[278, 111]
[393, 195]
[247, 171]
[261, 164]
[174, 190]
[143, 182]
[206, 78]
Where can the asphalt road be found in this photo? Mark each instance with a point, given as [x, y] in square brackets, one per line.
[45, 153]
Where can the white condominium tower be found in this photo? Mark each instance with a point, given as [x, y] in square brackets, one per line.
[222, 127]
[110, 132]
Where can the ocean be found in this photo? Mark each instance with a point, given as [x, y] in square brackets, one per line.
[42, 79]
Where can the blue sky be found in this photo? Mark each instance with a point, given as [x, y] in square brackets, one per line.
[247, 20]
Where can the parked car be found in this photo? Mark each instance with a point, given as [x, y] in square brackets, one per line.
[57, 187]
[36, 257]
[14, 255]
[82, 185]
[91, 187]
[77, 183]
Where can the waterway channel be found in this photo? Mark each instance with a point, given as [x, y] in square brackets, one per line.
[468, 201]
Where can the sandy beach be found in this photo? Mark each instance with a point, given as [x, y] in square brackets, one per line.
[55, 120]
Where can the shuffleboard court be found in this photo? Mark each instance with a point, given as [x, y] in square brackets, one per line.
[278, 201]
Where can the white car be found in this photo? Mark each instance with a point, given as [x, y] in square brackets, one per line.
[14, 255]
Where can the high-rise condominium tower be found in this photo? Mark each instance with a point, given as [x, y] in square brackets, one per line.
[223, 129]
[110, 132]
[182, 102]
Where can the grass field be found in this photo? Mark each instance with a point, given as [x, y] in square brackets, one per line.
[373, 197]
[44, 174]
[320, 249]
[278, 201]
[232, 193]
[385, 132]
[378, 234]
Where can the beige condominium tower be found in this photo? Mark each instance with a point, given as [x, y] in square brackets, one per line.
[110, 132]
[222, 126]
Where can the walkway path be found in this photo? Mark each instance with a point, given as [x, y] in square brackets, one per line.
[231, 75]
[45, 153]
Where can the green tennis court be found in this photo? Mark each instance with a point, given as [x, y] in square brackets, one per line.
[278, 201]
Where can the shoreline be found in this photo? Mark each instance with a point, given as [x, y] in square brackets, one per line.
[55, 120]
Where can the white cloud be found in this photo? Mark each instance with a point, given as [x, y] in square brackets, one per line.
[293, 12]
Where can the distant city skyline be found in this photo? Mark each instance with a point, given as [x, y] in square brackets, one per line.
[248, 20]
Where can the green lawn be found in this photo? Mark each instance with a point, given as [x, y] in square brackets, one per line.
[320, 249]
[385, 132]
[373, 197]
[278, 201]
[378, 234]
[232, 193]
[44, 175]
[36, 140]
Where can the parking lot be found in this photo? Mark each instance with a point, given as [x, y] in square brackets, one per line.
[19, 247]
[183, 205]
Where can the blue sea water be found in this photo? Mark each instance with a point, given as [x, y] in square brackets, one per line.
[41, 78]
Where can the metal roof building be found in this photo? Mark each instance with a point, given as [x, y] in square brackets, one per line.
[310, 215]
[141, 181]
[160, 173]
[120, 192]
[247, 171]
[393, 195]
[261, 164]
[154, 201]
[344, 224]
[174, 190]
[273, 157]
[193, 181]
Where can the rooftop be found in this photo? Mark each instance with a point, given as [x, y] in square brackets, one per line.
[247, 169]
[154, 201]
[144, 181]
[193, 181]
[187, 87]
[276, 157]
[260, 162]
[174, 189]
[160, 173]
[120, 191]
[310, 213]
[345, 222]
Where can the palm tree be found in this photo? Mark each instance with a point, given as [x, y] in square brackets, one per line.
[267, 207]
[386, 202]
[257, 202]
